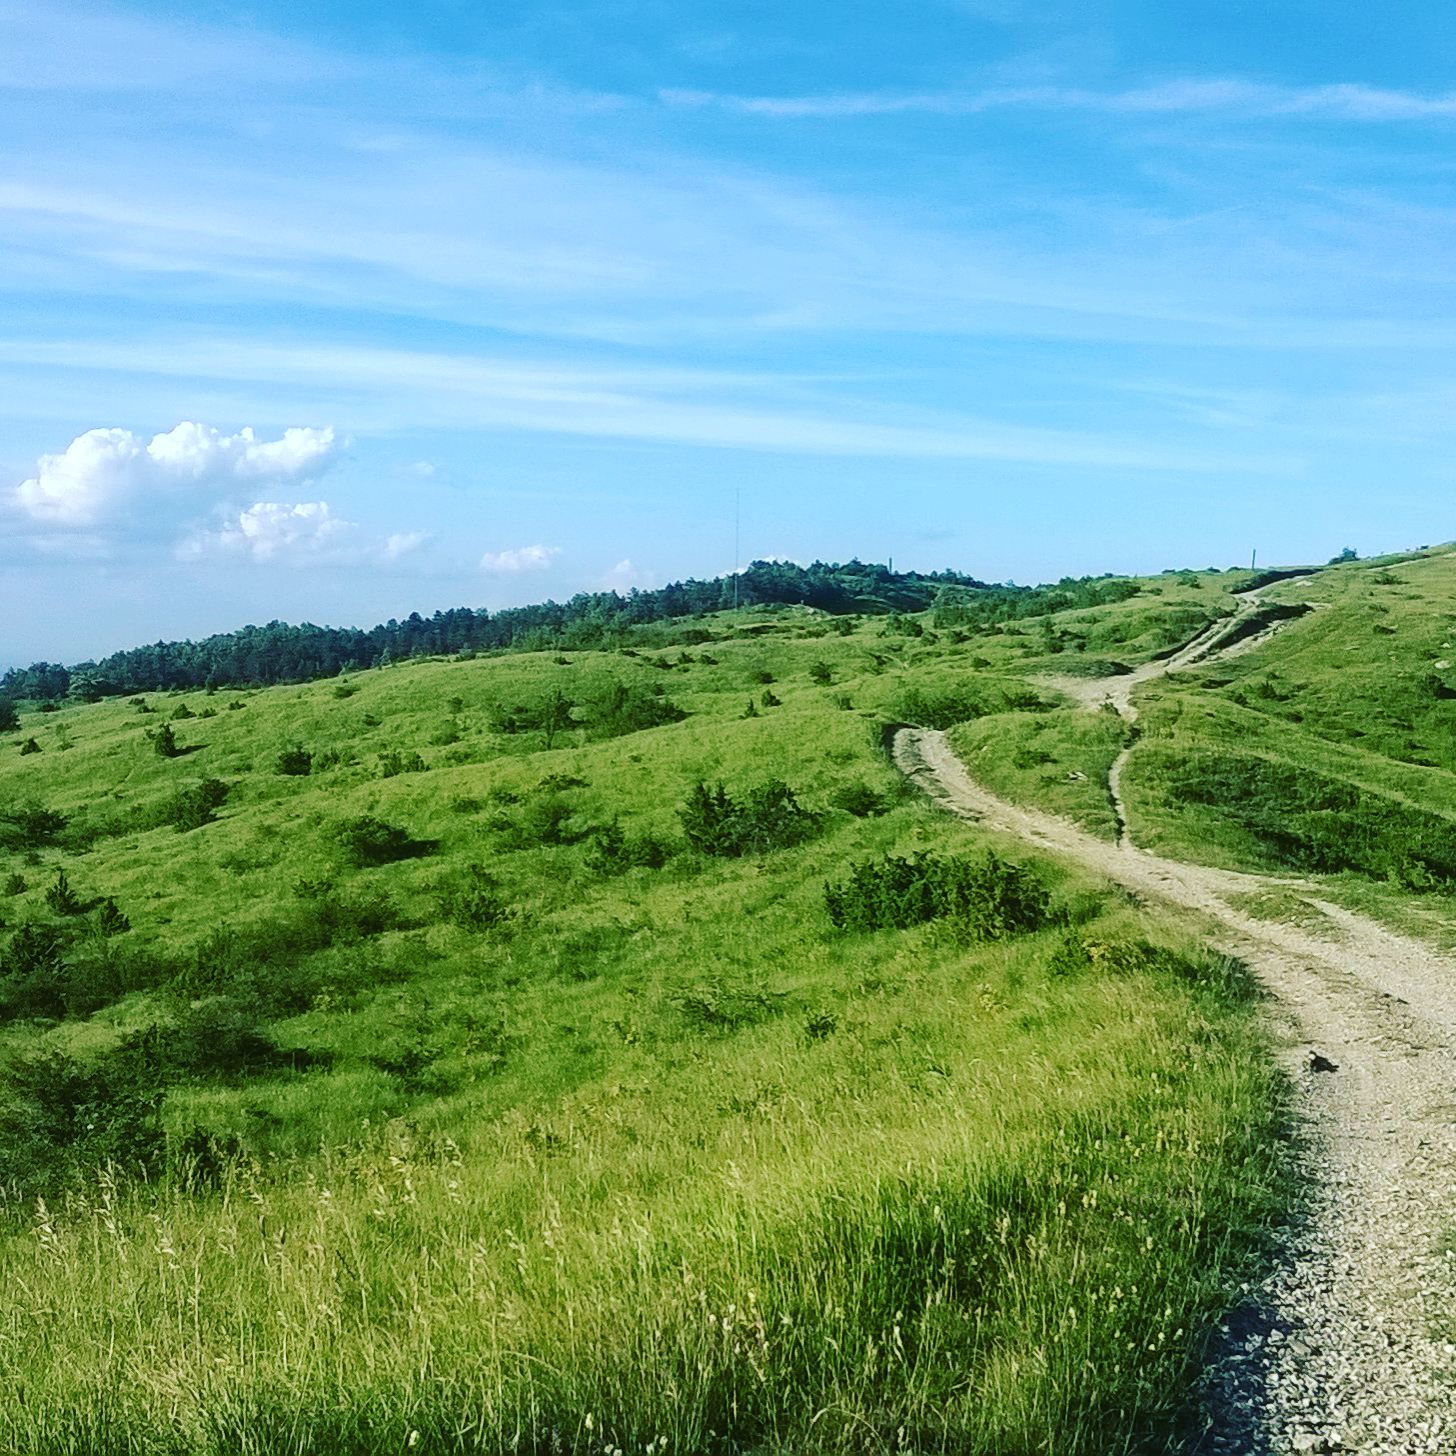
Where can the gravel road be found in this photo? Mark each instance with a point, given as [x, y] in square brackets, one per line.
[1340, 1350]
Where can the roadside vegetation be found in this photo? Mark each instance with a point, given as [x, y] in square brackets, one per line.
[584, 1050]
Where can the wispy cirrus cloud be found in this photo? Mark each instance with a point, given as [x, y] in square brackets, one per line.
[703, 408]
[1216, 96]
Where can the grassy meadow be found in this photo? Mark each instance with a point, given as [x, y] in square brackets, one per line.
[433, 1059]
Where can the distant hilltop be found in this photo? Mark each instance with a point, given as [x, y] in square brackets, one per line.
[284, 653]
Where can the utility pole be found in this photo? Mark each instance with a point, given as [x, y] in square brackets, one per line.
[1254, 559]
[737, 514]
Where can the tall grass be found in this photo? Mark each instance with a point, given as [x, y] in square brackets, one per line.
[565, 1148]
[997, 1231]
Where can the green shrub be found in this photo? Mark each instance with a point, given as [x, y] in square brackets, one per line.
[29, 746]
[859, 798]
[611, 851]
[395, 761]
[294, 762]
[473, 900]
[111, 919]
[542, 818]
[944, 704]
[986, 898]
[219, 1037]
[263, 961]
[30, 826]
[15, 883]
[32, 972]
[765, 818]
[366, 841]
[62, 899]
[194, 806]
[61, 1117]
[164, 741]
[726, 1007]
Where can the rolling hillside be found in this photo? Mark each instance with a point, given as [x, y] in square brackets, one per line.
[549, 1049]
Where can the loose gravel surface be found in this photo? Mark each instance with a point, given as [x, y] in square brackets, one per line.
[1342, 1349]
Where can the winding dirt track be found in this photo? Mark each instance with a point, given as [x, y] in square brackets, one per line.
[1342, 1349]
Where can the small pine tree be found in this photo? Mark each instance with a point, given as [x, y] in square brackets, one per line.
[112, 919]
[62, 899]
[164, 741]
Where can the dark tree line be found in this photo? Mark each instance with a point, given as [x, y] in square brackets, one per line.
[282, 653]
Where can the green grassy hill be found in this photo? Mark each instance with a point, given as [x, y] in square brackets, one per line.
[432, 1058]
[1329, 750]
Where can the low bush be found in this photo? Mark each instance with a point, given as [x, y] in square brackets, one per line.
[611, 851]
[765, 818]
[544, 818]
[62, 1117]
[29, 826]
[859, 798]
[196, 805]
[945, 703]
[366, 841]
[725, 1007]
[294, 762]
[473, 900]
[263, 961]
[32, 972]
[986, 898]
[164, 741]
[400, 761]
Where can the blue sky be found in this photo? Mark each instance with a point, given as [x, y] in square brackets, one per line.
[333, 312]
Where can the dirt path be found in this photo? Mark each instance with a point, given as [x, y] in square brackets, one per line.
[1341, 1350]
[1253, 622]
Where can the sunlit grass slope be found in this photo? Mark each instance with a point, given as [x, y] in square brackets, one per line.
[530, 1126]
[1330, 749]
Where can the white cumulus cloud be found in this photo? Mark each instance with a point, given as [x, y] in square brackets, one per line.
[624, 576]
[518, 559]
[270, 529]
[104, 474]
[402, 543]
